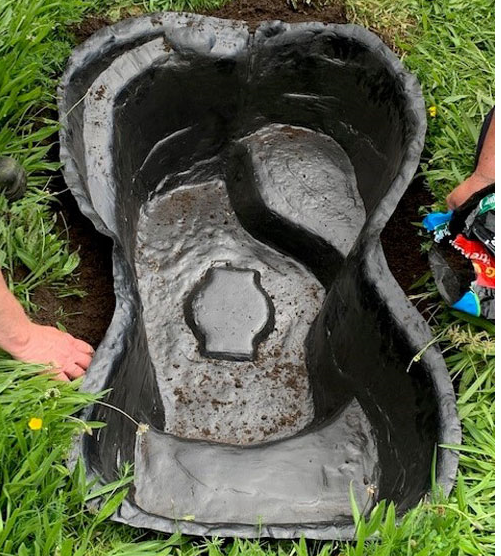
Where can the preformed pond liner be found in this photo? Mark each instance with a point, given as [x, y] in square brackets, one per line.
[245, 179]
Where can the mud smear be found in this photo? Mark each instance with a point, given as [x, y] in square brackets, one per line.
[239, 402]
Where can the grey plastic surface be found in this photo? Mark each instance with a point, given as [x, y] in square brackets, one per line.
[206, 150]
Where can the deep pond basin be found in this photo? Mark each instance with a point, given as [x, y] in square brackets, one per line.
[259, 337]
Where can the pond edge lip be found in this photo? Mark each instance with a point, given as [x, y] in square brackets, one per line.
[143, 29]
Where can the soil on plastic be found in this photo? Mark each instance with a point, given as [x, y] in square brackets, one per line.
[461, 266]
[89, 317]
[457, 261]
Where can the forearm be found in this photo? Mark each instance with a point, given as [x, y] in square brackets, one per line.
[14, 324]
[483, 175]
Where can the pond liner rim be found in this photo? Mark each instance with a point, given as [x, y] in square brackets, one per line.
[142, 29]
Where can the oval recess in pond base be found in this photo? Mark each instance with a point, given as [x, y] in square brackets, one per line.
[230, 313]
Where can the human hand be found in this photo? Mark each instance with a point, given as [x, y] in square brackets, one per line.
[67, 356]
[466, 189]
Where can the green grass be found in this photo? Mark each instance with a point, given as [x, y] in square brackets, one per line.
[451, 50]
[450, 46]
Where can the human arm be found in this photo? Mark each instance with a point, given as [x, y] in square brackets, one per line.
[483, 175]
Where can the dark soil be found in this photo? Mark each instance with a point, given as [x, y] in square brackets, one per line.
[400, 238]
[255, 11]
[88, 317]
[83, 30]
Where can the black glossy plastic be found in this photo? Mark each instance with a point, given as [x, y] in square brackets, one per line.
[250, 175]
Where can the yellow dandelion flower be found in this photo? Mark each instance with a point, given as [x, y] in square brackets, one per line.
[432, 111]
[35, 423]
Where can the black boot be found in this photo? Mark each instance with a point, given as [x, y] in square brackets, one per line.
[12, 178]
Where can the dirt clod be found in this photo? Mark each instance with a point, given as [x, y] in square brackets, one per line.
[83, 30]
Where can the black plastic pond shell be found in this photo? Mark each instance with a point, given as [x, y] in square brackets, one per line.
[259, 337]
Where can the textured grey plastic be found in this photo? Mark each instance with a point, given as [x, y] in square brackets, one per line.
[250, 174]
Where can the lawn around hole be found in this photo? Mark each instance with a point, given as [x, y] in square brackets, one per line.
[450, 47]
